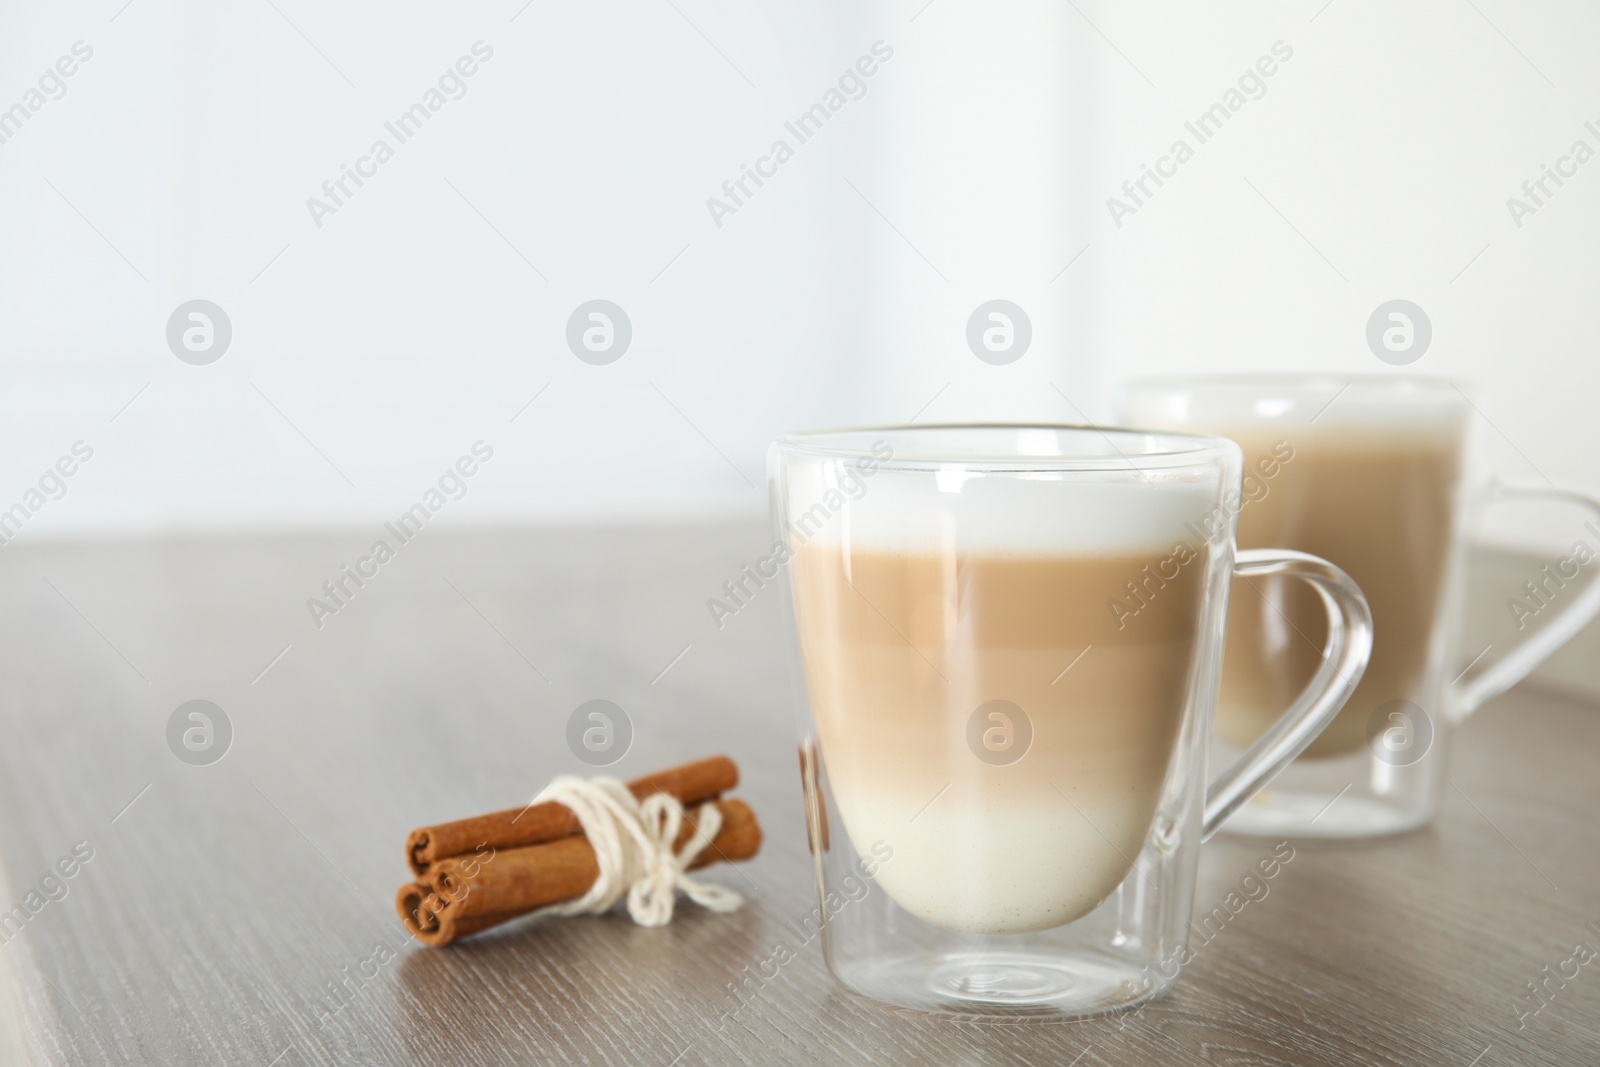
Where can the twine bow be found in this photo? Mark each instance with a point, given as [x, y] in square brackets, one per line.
[632, 843]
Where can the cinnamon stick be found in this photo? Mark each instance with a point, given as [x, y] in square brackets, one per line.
[466, 894]
[692, 783]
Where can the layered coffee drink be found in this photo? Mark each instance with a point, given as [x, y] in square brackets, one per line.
[998, 693]
[1379, 501]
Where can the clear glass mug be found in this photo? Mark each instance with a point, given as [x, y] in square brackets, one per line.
[1373, 474]
[1005, 778]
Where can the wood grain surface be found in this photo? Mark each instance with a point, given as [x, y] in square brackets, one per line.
[241, 912]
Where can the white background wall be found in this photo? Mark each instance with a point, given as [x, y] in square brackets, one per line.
[428, 311]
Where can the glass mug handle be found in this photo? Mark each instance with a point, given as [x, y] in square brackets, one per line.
[1520, 662]
[1344, 660]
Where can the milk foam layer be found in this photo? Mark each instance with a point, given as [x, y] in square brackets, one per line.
[1299, 408]
[1015, 514]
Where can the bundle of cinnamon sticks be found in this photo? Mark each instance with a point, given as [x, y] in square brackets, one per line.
[476, 873]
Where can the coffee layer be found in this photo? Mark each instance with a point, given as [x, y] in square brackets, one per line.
[1030, 816]
[1381, 505]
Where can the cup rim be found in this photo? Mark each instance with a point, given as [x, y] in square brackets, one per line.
[1117, 448]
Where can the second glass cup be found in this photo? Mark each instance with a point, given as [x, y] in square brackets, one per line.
[1003, 747]
[1373, 473]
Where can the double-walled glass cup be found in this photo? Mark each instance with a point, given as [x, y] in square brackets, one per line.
[1008, 644]
[1374, 474]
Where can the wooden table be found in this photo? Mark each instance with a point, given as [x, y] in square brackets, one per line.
[241, 912]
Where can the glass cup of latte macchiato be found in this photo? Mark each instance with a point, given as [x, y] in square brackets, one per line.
[1373, 475]
[1004, 771]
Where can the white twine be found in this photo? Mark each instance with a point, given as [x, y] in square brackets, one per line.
[632, 843]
